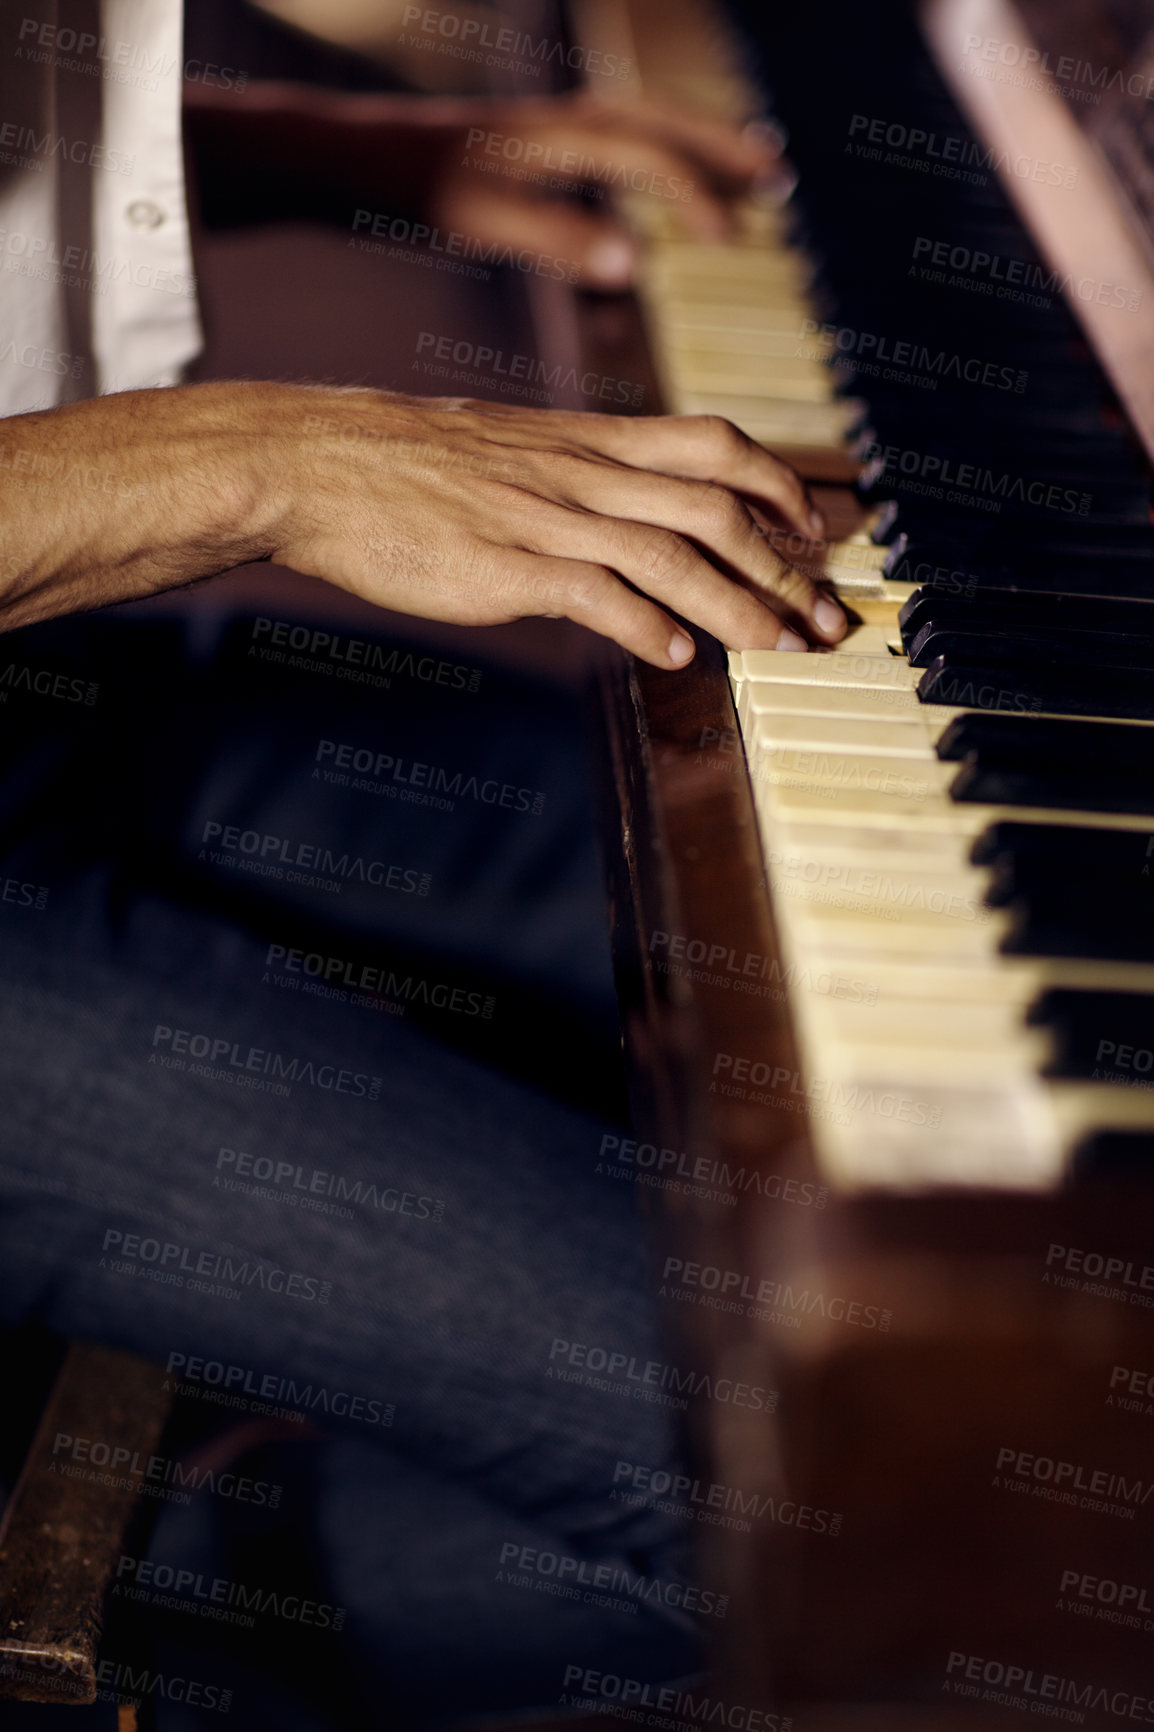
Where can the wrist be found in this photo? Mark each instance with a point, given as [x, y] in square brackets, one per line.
[256, 477]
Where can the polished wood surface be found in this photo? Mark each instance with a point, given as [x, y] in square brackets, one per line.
[897, 1430]
[916, 1343]
[62, 1534]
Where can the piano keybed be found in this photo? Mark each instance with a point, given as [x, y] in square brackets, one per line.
[922, 1068]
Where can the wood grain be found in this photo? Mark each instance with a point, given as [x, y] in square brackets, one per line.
[61, 1535]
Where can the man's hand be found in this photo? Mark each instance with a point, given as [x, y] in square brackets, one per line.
[480, 513]
[508, 177]
[446, 509]
[501, 172]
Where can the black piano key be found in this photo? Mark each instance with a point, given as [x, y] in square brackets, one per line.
[992, 612]
[1025, 688]
[1059, 788]
[1042, 643]
[1022, 876]
[1075, 438]
[1012, 476]
[1082, 766]
[1084, 501]
[968, 570]
[1098, 1031]
[1114, 1154]
[1067, 851]
[1086, 580]
[1055, 921]
[1070, 539]
[1037, 742]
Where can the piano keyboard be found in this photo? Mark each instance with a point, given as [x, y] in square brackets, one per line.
[955, 803]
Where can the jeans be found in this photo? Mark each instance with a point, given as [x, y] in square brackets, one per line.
[306, 1080]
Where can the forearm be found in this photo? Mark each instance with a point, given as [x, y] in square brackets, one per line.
[119, 497]
[473, 512]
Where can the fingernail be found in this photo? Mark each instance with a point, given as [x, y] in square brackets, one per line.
[767, 132]
[680, 649]
[829, 618]
[789, 640]
[777, 187]
[817, 521]
[611, 260]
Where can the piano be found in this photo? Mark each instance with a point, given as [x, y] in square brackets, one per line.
[884, 915]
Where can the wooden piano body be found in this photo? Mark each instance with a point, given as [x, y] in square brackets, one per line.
[947, 1517]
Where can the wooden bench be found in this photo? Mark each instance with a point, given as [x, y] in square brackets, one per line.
[62, 1531]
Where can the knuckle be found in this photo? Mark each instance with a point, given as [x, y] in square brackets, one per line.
[794, 584]
[720, 510]
[581, 590]
[660, 552]
[725, 438]
[786, 475]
